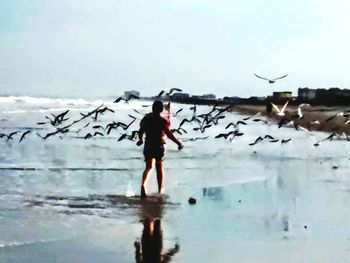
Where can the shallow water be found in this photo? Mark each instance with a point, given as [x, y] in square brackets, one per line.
[74, 200]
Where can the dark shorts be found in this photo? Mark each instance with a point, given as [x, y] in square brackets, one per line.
[151, 151]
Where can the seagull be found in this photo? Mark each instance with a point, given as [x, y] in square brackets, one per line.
[176, 113]
[131, 96]
[131, 137]
[267, 136]
[56, 119]
[179, 130]
[87, 136]
[235, 124]
[9, 136]
[168, 93]
[280, 112]
[202, 128]
[283, 122]
[23, 135]
[256, 141]
[189, 120]
[285, 141]
[260, 120]
[172, 90]
[160, 93]
[247, 118]
[225, 135]
[271, 81]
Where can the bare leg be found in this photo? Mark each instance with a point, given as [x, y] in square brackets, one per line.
[148, 169]
[160, 173]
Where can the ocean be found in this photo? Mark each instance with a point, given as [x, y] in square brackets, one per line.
[70, 199]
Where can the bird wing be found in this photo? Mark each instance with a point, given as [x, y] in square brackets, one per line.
[160, 93]
[284, 106]
[275, 107]
[261, 77]
[299, 112]
[117, 100]
[172, 90]
[280, 77]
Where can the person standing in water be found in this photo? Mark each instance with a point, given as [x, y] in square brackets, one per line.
[155, 127]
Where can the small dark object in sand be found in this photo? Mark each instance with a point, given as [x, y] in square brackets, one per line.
[192, 201]
[239, 201]
[305, 227]
[335, 167]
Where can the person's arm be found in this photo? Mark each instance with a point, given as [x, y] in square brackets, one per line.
[173, 138]
[141, 133]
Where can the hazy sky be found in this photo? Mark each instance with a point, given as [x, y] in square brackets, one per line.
[98, 48]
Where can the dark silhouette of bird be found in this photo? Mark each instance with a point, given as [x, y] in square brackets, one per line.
[267, 136]
[179, 130]
[98, 127]
[160, 93]
[235, 124]
[171, 91]
[57, 120]
[10, 136]
[226, 135]
[259, 139]
[23, 135]
[177, 112]
[260, 120]
[88, 136]
[189, 120]
[285, 141]
[193, 108]
[271, 81]
[202, 128]
[130, 97]
[131, 137]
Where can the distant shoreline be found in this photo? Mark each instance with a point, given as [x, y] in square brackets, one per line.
[312, 113]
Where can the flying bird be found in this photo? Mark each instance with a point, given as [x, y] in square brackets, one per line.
[280, 112]
[23, 135]
[131, 96]
[259, 139]
[271, 81]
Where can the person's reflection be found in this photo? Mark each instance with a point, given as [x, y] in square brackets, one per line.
[151, 245]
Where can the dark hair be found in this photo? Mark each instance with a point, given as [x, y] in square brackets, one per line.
[157, 107]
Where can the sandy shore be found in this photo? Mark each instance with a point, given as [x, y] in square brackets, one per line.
[311, 116]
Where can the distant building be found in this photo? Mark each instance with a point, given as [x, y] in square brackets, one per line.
[209, 96]
[282, 95]
[306, 94]
[131, 92]
[180, 96]
[234, 99]
[332, 96]
[204, 97]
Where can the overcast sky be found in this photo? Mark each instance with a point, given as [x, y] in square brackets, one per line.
[100, 48]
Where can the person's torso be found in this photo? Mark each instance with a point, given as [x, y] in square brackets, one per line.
[155, 129]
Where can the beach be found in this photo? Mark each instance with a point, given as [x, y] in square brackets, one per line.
[310, 113]
[70, 199]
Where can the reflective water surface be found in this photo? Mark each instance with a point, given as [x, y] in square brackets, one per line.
[74, 200]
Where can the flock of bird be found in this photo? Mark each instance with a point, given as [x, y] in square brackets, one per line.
[199, 123]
